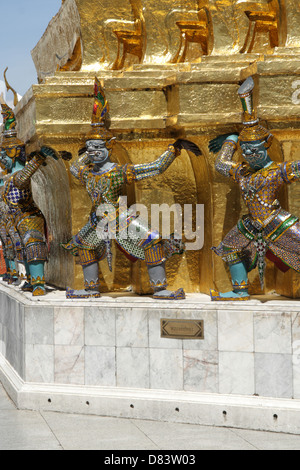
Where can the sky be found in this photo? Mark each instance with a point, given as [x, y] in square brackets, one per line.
[23, 22]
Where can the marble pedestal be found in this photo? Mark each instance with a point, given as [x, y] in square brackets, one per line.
[107, 357]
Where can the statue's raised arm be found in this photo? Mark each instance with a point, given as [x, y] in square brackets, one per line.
[159, 166]
[226, 146]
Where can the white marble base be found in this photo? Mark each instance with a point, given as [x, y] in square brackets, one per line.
[234, 411]
[106, 357]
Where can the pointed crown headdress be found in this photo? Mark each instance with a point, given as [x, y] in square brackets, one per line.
[100, 115]
[9, 136]
[252, 130]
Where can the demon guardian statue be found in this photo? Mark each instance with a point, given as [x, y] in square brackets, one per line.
[25, 222]
[104, 181]
[267, 230]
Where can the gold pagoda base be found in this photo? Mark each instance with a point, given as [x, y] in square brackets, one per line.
[153, 101]
[109, 357]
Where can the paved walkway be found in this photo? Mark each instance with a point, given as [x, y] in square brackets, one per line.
[31, 430]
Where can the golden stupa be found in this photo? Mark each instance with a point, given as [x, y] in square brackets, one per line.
[170, 69]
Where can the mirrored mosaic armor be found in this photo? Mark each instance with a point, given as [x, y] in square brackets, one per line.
[267, 231]
[28, 219]
[25, 222]
[104, 182]
[7, 238]
[106, 188]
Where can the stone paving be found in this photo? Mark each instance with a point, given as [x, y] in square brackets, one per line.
[31, 430]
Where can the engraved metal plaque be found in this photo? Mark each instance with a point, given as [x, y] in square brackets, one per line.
[182, 329]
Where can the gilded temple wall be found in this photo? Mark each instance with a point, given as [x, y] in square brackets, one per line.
[158, 26]
[170, 69]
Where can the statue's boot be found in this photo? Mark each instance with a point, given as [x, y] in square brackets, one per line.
[240, 285]
[6, 277]
[36, 269]
[27, 286]
[13, 281]
[91, 282]
[16, 282]
[158, 280]
[14, 276]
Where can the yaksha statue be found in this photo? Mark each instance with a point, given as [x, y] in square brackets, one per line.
[27, 220]
[267, 231]
[8, 236]
[104, 182]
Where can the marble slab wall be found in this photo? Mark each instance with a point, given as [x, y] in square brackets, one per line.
[253, 351]
[12, 334]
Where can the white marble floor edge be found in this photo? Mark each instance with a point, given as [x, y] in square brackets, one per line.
[59, 431]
